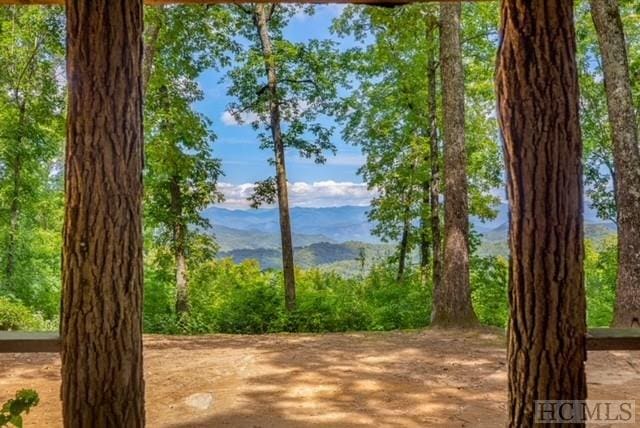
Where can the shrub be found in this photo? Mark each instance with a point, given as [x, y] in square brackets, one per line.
[601, 269]
[12, 410]
[16, 316]
[489, 288]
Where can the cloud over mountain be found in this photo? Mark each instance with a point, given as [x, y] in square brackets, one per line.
[301, 194]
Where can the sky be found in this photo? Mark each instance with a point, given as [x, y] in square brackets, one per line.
[332, 184]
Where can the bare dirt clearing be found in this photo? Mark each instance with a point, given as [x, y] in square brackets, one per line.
[399, 379]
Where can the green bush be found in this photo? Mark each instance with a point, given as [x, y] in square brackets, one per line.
[12, 410]
[489, 289]
[601, 269]
[16, 316]
[240, 298]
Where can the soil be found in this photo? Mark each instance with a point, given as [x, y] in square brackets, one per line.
[398, 379]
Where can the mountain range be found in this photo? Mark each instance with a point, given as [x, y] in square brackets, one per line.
[339, 235]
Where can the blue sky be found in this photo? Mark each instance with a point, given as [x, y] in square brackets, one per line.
[335, 183]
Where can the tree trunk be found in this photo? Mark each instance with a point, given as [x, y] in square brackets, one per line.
[102, 372]
[14, 208]
[434, 155]
[425, 238]
[404, 240]
[626, 155]
[262, 24]
[452, 300]
[537, 87]
[179, 246]
[14, 221]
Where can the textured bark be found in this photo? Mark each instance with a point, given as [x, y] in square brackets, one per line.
[626, 155]
[537, 87]
[452, 300]
[102, 372]
[262, 16]
[179, 246]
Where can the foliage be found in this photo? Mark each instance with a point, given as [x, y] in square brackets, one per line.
[601, 263]
[14, 315]
[599, 168]
[31, 140]
[489, 289]
[181, 173]
[12, 410]
[308, 76]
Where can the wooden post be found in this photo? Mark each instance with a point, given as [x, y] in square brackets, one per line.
[102, 373]
[537, 86]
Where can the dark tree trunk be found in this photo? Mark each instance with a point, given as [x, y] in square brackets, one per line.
[404, 240]
[102, 372]
[626, 155]
[262, 17]
[434, 154]
[179, 248]
[425, 235]
[537, 87]
[452, 300]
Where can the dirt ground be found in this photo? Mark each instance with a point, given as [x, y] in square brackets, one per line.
[400, 379]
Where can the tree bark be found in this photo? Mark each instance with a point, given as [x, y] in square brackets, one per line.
[262, 23]
[626, 155]
[452, 300]
[537, 88]
[102, 372]
[179, 246]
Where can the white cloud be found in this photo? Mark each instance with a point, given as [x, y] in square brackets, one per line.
[301, 194]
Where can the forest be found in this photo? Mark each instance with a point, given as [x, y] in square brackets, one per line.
[413, 91]
[182, 242]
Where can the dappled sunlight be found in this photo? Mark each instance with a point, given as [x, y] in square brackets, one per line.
[398, 379]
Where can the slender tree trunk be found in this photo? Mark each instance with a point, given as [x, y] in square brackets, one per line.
[14, 208]
[151, 36]
[425, 236]
[434, 154]
[102, 372]
[262, 24]
[537, 87]
[404, 239]
[626, 155]
[14, 221]
[179, 244]
[452, 300]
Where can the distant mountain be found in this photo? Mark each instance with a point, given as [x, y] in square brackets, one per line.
[337, 224]
[315, 255]
[232, 239]
[333, 236]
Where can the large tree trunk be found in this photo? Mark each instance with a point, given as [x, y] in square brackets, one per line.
[179, 248]
[626, 154]
[537, 86]
[452, 300]
[102, 372]
[262, 22]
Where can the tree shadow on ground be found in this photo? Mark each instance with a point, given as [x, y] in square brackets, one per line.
[400, 379]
